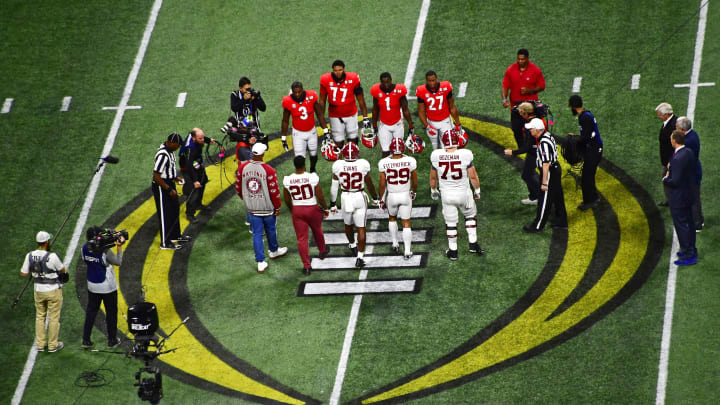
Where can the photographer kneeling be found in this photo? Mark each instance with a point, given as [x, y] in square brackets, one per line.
[102, 286]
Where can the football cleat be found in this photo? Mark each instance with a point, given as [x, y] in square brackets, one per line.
[369, 137]
[396, 248]
[350, 151]
[329, 150]
[451, 254]
[450, 139]
[359, 263]
[475, 248]
[408, 256]
[397, 146]
[415, 144]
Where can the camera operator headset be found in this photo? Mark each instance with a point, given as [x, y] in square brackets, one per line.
[101, 282]
[246, 104]
[49, 275]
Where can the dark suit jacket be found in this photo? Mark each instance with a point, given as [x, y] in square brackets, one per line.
[666, 149]
[692, 141]
[681, 178]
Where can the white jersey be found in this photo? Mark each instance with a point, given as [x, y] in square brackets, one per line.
[452, 169]
[302, 187]
[351, 174]
[397, 173]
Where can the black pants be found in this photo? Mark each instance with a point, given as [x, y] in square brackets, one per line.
[697, 207]
[685, 229]
[530, 175]
[517, 122]
[194, 196]
[552, 197]
[593, 155]
[168, 210]
[110, 302]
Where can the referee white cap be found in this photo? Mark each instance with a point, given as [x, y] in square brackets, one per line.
[42, 237]
[259, 149]
[535, 123]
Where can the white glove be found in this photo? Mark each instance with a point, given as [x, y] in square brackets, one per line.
[434, 194]
[477, 193]
[333, 208]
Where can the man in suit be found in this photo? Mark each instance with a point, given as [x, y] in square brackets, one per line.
[692, 141]
[664, 112]
[681, 178]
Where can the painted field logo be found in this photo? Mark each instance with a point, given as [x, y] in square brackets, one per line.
[605, 257]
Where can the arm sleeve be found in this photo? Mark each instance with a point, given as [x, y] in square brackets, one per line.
[273, 187]
[586, 128]
[189, 168]
[235, 104]
[525, 147]
[358, 90]
[260, 103]
[114, 259]
[238, 181]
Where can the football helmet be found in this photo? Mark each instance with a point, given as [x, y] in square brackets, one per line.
[463, 139]
[369, 137]
[329, 150]
[350, 151]
[397, 146]
[450, 139]
[415, 144]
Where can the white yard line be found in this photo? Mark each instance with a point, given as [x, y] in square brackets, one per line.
[80, 224]
[672, 271]
[417, 41]
[635, 82]
[360, 287]
[181, 100]
[66, 104]
[7, 105]
[462, 90]
[577, 82]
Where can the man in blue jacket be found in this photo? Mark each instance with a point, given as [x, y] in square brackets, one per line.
[681, 178]
[692, 141]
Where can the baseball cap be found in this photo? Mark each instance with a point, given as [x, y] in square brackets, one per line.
[535, 123]
[42, 237]
[258, 149]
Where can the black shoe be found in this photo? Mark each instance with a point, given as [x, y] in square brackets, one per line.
[114, 343]
[86, 344]
[531, 229]
[451, 254]
[560, 227]
[192, 219]
[325, 254]
[663, 204]
[171, 247]
[359, 263]
[354, 250]
[475, 248]
[699, 228]
[307, 271]
[396, 248]
[181, 239]
[586, 206]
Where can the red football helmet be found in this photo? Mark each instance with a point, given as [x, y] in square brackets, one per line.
[368, 137]
[397, 146]
[463, 138]
[450, 139]
[350, 151]
[329, 150]
[415, 144]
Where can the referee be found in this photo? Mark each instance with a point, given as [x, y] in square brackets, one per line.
[551, 192]
[166, 197]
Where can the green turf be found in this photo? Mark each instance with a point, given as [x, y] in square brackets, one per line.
[86, 50]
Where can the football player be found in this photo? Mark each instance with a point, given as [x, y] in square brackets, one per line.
[388, 100]
[340, 89]
[301, 104]
[398, 177]
[435, 106]
[350, 174]
[451, 168]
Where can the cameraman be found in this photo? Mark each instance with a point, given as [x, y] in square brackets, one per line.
[191, 164]
[46, 268]
[246, 104]
[102, 286]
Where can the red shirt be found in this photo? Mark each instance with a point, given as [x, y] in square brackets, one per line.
[340, 96]
[389, 103]
[303, 117]
[436, 103]
[515, 79]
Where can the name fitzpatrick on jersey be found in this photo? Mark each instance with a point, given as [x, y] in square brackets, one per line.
[449, 157]
[391, 165]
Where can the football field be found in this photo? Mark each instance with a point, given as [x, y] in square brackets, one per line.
[596, 314]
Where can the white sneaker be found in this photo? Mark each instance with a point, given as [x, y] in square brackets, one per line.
[282, 251]
[527, 201]
[262, 266]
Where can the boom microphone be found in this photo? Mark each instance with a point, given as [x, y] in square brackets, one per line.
[110, 159]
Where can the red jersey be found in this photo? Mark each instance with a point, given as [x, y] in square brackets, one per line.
[515, 79]
[436, 103]
[303, 117]
[390, 111]
[341, 95]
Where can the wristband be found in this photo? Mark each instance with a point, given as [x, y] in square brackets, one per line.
[504, 100]
[283, 138]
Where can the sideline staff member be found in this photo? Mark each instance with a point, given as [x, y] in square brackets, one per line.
[592, 147]
[46, 268]
[166, 197]
[102, 286]
[194, 172]
[523, 81]
[551, 192]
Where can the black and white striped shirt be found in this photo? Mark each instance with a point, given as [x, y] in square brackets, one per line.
[165, 163]
[547, 150]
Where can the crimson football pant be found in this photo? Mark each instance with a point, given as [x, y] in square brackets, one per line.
[305, 216]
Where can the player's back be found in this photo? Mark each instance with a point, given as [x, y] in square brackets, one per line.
[397, 172]
[452, 168]
[351, 174]
[302, 187]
